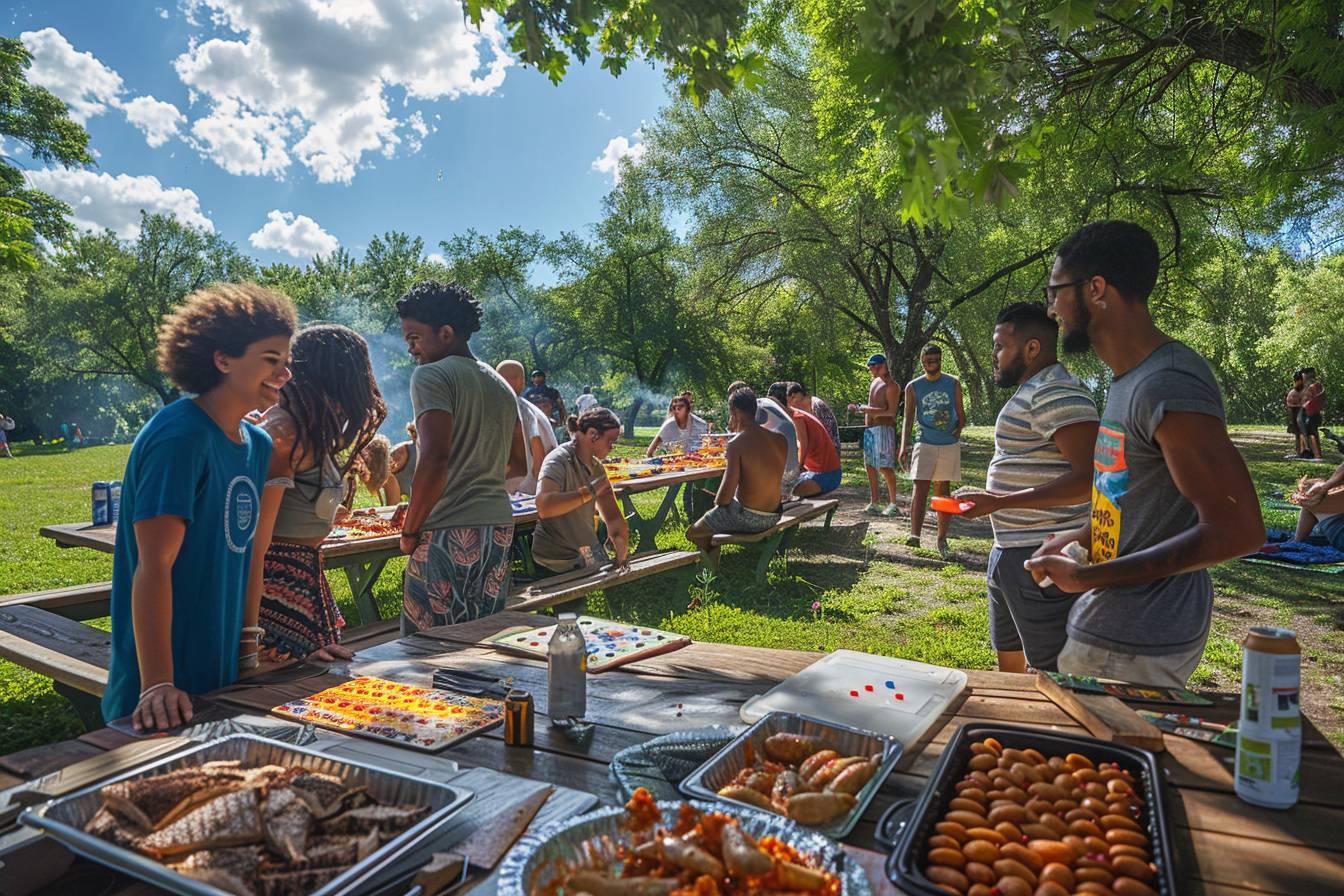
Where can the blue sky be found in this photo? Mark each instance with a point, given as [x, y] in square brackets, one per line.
[291, 126]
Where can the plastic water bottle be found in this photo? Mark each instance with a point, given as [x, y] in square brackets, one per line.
[102, 503]
[114, 500]
[567, 670]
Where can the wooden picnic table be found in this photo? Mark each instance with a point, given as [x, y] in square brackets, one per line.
[646, 529]
[361, 559]
[1223, 847]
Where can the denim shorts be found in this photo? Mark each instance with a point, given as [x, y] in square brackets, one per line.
[827, 482]
[1332, 527]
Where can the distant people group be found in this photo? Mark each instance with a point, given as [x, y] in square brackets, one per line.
[1103, 523]
[1305, 403]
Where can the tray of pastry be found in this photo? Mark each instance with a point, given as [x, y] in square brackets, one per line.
[246, 815]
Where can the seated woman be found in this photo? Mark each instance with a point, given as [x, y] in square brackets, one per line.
[403, 463]
[189, 503]
[1322, 503]
[681, 431]
[573, 481]
[375, 471]
[331, 406]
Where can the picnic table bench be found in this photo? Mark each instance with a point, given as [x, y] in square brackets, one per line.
[571, 586]
[1223, 847]
[778, 537]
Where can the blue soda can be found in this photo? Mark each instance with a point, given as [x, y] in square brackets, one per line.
[102, 503]
[114, 500]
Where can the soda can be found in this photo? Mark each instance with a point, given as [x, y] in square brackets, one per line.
[102, 503]
[114, 500]
[519, 718]
[1269, 735]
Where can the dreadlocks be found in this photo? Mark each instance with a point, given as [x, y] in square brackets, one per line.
[332, 396]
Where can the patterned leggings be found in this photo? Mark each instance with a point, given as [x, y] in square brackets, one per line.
[456, 575]
[298, 613]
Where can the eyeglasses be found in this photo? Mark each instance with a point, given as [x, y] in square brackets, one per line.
[1052, 291]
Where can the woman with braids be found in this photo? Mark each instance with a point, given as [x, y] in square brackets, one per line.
[459, 525]
[572, 485]
[331, 407]
[189, 503]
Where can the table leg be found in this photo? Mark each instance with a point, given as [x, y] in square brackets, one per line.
[362, 577]
[88, 707]
[647, 529]
[768, 549]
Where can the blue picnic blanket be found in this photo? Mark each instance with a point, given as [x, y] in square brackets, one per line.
[1303, 553]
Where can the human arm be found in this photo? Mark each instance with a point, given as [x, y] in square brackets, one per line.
[398, 459]
[907, 425]
[390, 491]
[517, 463]
[538, 453]
[732, 474]
[961, 414]
[881, 402]
[434, 430]
[1207, 470]
[800, 430]
[1313, 495]
[1076, 442]
[618, 529]
[552, 501]
[653, 446]
[158, 541]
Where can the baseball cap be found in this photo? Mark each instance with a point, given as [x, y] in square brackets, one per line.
[877, 359]
[538, 373]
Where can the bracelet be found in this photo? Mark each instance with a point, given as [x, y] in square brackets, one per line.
[154, 687]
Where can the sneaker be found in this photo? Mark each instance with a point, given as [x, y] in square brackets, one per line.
[912, 541]
[943, 550]
[1293, 456]
[891, 510]
[872, 508]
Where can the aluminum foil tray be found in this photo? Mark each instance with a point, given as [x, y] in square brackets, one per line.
[63, 819]
[720, 770]
[533, 863]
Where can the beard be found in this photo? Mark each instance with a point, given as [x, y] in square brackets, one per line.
[1076, 341]
[1011, 375]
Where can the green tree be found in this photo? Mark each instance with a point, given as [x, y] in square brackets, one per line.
[1308, 330]
[37, 120]
[96, 306]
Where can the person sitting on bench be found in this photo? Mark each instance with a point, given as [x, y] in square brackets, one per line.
[752, 477]
[573, 480]
[1322, 503]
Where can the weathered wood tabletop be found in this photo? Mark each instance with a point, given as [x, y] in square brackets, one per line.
[1223, 846]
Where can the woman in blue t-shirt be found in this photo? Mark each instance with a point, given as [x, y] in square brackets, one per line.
[190, 495]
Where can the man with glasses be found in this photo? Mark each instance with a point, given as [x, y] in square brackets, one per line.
[1170, 494]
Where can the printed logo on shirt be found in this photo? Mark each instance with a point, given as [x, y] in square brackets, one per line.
[1110, 481]
[240, 513]
[935, 410]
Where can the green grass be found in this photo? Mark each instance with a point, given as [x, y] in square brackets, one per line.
[869, 598]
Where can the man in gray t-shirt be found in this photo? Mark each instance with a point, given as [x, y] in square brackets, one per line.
[1170, 494]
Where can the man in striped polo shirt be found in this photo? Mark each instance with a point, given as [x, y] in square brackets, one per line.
[1039, 483]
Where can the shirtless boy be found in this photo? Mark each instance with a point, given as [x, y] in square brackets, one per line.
[748, 497]
[879, 434]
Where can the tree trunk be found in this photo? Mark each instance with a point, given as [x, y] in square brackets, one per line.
[634, 415]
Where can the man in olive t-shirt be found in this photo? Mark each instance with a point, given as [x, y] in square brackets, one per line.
[459, 525]
[1170, 494]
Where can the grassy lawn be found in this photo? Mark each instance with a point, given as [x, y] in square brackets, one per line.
[870, 592]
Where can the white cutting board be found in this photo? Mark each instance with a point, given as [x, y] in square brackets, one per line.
[881, 694]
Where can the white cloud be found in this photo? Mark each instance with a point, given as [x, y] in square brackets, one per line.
[163, 13]
[114, 202]
[436, 258]
[297, 235]
[618, 150]
[241, 142]
[602, 114]
[311, 77]
[159, 121]
[87, 86]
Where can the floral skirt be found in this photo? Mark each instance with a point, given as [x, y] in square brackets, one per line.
[298, 613]
[456, 575]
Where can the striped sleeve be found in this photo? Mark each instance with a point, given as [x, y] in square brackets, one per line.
[1059, 404]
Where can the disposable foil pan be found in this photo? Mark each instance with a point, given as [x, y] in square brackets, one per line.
[63, 819]
[538, 859]
[706, 781]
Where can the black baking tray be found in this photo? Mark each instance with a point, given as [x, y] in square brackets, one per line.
[906, 861]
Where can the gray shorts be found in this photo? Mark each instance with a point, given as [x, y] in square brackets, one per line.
[738, 520]
[1023, 615]
[1170, 670]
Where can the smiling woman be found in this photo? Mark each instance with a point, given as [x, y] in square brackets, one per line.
[178, 576]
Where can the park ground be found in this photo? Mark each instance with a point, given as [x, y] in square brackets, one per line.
[856, 586]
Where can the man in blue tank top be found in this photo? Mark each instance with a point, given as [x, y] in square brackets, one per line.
[935, 400]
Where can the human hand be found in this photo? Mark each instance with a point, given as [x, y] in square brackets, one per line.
[904, 458]
[600, 486]
[1312, 496]
[161, 706]
[408, 544]
[1062, 571]
[330, 654]
[620, 547]
[984, 502]
[853, 408]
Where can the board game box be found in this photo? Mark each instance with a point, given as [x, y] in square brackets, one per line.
[423, 718]
[610, 644]
[1141, 693]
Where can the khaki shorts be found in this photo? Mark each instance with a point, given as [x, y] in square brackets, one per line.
[1171, 670]
[936, 463]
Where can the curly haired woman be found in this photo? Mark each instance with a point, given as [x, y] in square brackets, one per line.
[189, 503]
[331, 407]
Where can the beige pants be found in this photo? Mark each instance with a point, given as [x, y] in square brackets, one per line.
[1172, 670]
[936, 463]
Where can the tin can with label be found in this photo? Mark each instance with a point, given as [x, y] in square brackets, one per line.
[1269, 736]
[102, 503]
[519, 718]
[114, 500]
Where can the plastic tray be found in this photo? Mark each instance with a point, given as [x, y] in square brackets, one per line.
[906, 861]
[64, 818]
[724, 765]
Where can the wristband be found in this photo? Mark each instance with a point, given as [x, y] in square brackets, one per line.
[155, 687]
